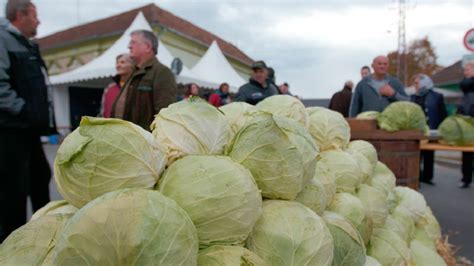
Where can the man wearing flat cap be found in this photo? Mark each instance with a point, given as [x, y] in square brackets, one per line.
[257, 88]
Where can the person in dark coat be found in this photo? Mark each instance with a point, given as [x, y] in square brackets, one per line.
[257, 88]
[150, 88]
[433, 105]
[467, 108]
[26, 113]
[341, 101]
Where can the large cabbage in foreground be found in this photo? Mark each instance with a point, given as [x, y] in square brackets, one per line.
[104, 155]
[129, 227]
[279, 153]
[289, 233]
[33, 243]
[219, 195]
[402, 116]
[191, 127]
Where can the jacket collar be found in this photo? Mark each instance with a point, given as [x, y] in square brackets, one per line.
[256, 83]
[148, 64]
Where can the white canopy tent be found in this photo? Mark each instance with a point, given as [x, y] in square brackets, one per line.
[211, 70]
[214, 68]
[103, 66]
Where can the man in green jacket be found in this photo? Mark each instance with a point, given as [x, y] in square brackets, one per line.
[151, 87]
[376, 91]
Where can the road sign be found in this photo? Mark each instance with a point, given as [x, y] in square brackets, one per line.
[469, 40]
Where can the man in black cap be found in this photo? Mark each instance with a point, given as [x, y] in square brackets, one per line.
[257, 88]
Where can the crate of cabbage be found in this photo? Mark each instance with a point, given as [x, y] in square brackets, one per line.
[272, 184]
[397, 139]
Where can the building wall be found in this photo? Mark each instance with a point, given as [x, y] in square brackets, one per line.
[70, 56]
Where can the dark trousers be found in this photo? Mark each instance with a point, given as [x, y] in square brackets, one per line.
[467, 158]
[24, 171]
[427, 161]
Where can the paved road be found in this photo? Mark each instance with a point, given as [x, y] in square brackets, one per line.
[453, 207]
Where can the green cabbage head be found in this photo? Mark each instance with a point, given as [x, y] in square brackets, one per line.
[413, 201]
[366, 149]
[368, 115]
[191, 127]
[129, 227]
[328, 128]
[104, 155]
[219, 195]
[457, 130]
[402, 116]
[237, 115]
[423, 255]
[342, 167]
[228, 256]
[349, 246]
[375, 202]
[329, 186]
[388, 248]
[285, 105]
[364, 165]
[54, 207]
[401, 223]
[385, 181]
[428, 230]
[289, 233]
[33, 243]
[279, 153]
[314, 196]
[351, 208]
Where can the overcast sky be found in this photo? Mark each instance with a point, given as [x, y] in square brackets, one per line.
[313, 45]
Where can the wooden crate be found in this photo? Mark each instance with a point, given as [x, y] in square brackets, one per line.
[400, 151]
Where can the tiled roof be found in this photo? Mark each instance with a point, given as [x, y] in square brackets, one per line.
[156, 16]
[449, 75]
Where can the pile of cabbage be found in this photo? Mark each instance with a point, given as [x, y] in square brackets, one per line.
[272, 184]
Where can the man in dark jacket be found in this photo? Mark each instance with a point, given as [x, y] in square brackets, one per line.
[25, 114]
[151, 87]
[257, 88]
[433, 105]
[341, 101]
[376, 91]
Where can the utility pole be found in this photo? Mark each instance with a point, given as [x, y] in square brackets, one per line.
[402, 43]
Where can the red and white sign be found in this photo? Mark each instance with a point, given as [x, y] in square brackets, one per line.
[469, 40]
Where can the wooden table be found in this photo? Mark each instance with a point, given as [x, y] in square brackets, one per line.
[434, 146]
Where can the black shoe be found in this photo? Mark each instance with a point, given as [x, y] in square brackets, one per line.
[429, 182]
[464, 185]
